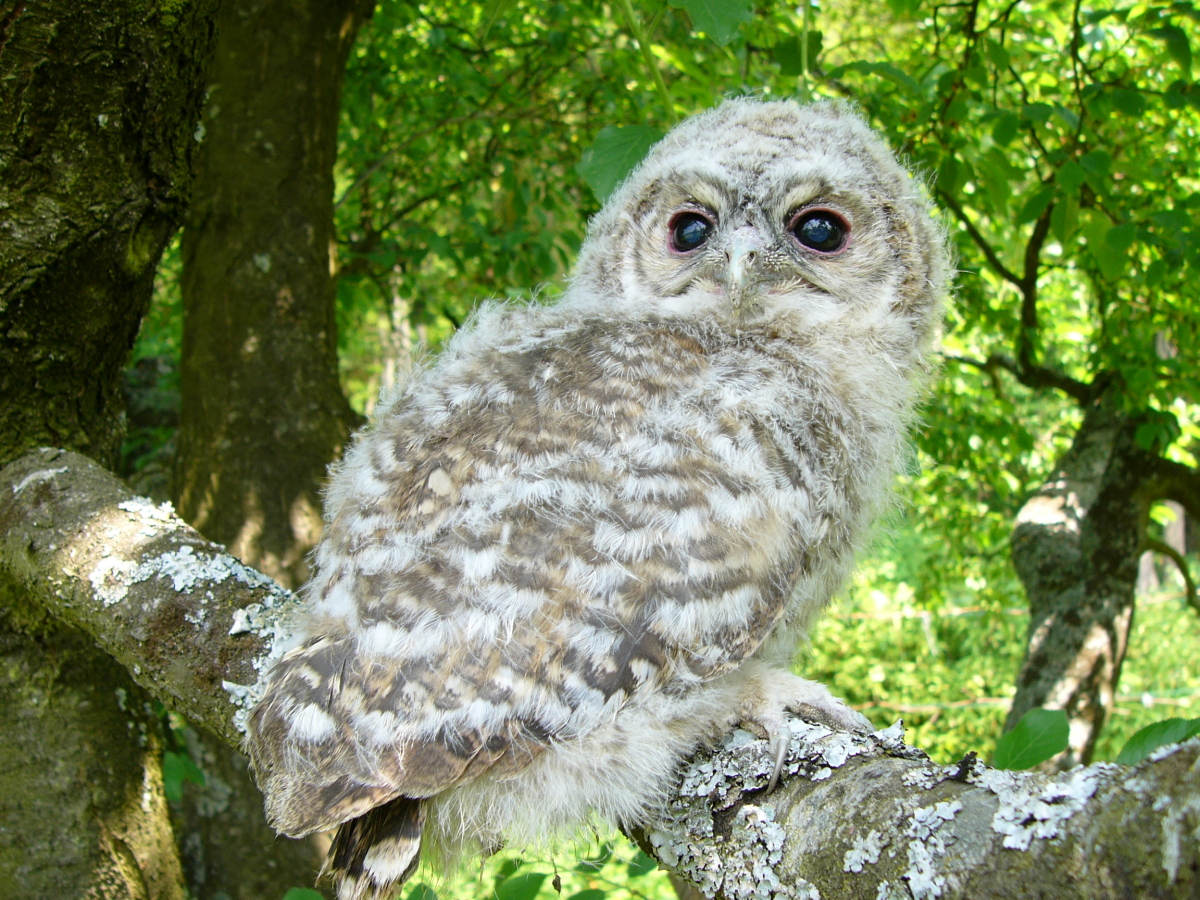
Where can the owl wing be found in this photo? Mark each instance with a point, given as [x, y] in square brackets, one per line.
[529, 541]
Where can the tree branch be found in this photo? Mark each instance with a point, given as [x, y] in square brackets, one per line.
[1175, 481]
[192, 625]
[1031, 376]
[860, 817]
[857, 816]
[1176, 557]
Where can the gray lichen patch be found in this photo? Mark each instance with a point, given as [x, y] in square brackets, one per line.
[718, 831]
[927, 847]
[1034, 806]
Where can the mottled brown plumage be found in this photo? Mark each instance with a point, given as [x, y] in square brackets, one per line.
[592, 535]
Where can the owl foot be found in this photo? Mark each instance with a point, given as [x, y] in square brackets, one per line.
[784, 693]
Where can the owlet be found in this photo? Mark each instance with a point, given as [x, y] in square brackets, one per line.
[590, 536]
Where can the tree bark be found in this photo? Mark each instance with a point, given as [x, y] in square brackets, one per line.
[1076, 548]
[263, 412]
[856, 817]
[100, 107]
[97, 130]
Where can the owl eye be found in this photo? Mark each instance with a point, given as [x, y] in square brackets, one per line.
[689, 230]
[821, 230]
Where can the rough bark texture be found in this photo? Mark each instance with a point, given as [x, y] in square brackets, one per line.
[229, 851]
[100, 104]
[1076, 548]
[92, 820]
[263, 412]
[860, 817]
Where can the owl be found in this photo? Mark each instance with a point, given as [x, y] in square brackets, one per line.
[590, 537]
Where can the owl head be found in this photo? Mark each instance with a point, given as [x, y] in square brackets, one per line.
[769, 213]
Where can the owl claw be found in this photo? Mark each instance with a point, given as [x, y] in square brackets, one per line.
[779, 740]
[781, 695]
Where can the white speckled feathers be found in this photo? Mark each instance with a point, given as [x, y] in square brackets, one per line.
[592, 535]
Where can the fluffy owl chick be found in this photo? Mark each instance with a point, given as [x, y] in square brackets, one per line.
[590, 536]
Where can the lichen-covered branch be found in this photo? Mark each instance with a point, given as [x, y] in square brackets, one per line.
[191, 624]
[855, 816]
[869, 818]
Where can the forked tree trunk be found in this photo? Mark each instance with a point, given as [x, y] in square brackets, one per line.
[1076, 547]
[97, 121]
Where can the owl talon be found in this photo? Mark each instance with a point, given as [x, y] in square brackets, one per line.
[780, 740]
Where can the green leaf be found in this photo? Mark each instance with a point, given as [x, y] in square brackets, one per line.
[1111, 265]
[1177, 43]
[1064, 219]
[521, 887]
[641, 864]
[1068, 116]
[1005, 128]
[719, 19]
[1036, 204]
[1130, 103]
[1121, 237]
[1038, 112]
[884, 70]
[1159, 431]
[1097, 163]
[1150, 738]
[589, 894]
[787, 54]
[493, 11]
[1070, 176]
[613, 155]
[303, 894]
[1041, 734]
[421, 892]
[178, 768]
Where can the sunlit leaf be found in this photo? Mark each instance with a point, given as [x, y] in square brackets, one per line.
[719, 19]
[1041, 734]
[301, 893]
[1177, 43]
[1147, 740]
[613, 155]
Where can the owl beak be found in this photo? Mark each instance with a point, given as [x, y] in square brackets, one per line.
[743, 266]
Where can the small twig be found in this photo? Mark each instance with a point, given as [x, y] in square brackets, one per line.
[639, 38]
[1189, 586]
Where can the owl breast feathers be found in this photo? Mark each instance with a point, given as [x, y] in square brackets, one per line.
[590, 536]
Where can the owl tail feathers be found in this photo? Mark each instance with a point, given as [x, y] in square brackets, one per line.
[373, 855]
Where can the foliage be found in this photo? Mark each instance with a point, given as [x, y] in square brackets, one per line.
[1039, 735]
[1150, 738]
[607, 866]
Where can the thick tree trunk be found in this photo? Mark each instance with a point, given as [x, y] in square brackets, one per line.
[100, 105]
[82, 810]
[263, 413]
[262, 409]
[1076, 548]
